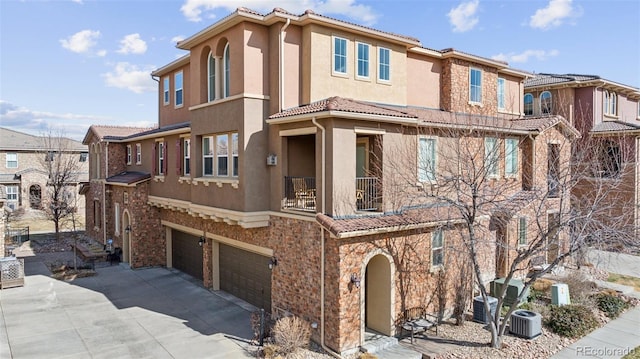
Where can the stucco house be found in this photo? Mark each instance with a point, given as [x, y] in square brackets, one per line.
[289, 161]
[23, 168]
[607, 114]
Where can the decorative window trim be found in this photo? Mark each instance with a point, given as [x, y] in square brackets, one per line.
[381, 64]
[214, 153]
[129, 155]
[8, 162]
[13, 193]
[345, 56]
[473, 100]
[166, 99]
[427, 175]
[138, 154]
[179, 89]
[610, 104]
[208, 154]
[186, 157]
[365, 61]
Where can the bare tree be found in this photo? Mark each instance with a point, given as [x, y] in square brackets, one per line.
[61, 165]
[491, 173]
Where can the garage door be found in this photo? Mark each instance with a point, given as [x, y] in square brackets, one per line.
[246, 275]
[186, 253]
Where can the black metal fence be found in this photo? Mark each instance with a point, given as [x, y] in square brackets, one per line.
[300, 193]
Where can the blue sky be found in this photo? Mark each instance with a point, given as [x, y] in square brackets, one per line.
[65, 65]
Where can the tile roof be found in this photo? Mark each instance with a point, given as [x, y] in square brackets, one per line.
[128, 178]
[344, 105]
[104, 131]
[157, 130]
[20, 141]
[614, 126]
[8, 178]
[552, 79]
[405, 220]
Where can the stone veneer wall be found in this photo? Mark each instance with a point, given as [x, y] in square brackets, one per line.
[454, 91]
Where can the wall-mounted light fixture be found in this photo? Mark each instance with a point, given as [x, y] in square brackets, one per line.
[273, 262]
[355, 280]
[202, 241]
[128, 229]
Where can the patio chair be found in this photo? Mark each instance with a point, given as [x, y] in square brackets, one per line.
[304, 196]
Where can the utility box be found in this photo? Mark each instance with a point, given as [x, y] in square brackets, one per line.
[560, 294]
[480, 315]
[514, 289]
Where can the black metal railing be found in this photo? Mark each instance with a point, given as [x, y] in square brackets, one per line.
[300, 193]
[367, 193]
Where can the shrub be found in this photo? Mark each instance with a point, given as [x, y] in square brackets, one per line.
[611, 304]
[291, 333]
[541, 285]
[367, 356]
[580, 288]
[571, 320]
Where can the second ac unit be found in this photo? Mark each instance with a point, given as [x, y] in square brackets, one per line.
[525, 324]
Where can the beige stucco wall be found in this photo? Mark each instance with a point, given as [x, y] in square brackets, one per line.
[423, 80]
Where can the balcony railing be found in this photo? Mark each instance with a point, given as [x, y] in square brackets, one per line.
[300, 193]
[367, 193]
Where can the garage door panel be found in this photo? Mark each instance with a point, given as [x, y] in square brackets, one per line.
[246, 275]
[186, 253]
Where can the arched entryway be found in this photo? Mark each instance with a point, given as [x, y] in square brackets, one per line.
[126, 238]
[378, 296]
[35, 196]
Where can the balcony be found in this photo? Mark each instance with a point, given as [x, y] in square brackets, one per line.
[367, 193]
[300, 193]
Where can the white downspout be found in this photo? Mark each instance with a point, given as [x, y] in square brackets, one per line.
[323, 201]
[104, 193]
[281, 43]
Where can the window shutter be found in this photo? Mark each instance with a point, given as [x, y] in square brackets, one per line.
[178, 158]
[154, 161]
[165, 158]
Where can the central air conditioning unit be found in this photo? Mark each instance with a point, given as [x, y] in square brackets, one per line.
[480, 315]
[513, 290]
[525, 324]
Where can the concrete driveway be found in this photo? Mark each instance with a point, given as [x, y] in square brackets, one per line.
[120, 313]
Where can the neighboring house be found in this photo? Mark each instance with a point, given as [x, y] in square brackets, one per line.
[607, 114]
[3, 216]
[274, 173]
[23, 168]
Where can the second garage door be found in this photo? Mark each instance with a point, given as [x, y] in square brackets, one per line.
[186, 253]
[246, 275]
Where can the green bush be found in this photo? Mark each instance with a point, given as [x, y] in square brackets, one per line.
[610, 304]
[571, 320]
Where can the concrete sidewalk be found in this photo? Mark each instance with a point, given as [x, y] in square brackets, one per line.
[120, 313]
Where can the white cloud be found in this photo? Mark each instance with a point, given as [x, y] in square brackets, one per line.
[132, 44]
[540, 55]
[554, 14]
[176, 39]
[40, 122]
[463, 17]
[193, 9]
[82, 42]
[131, 77]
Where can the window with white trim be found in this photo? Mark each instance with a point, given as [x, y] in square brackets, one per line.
[437, 248]
[546, 103]
[222, 155]
[475, 85]
[186, 152]
[218, 159]
[117, 218]
[427, 159]
[83, 156]
[179, 93]
[528, 104]
[501, 94]
[384, 64]
[165, 90]
[138, 154]
[234, 154]
[12, 193]
[610, 106]
[511, 156]
[207, 156]
[128, 154]
[160, 157]
[12, 160]
[362, 50]
[226, 60]
[211, 77]
[522, 231]
[339, 55]
[491, 156]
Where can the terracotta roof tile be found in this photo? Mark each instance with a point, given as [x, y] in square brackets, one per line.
[128, 177]
[102, 131]
[344, 105]
[614, 126]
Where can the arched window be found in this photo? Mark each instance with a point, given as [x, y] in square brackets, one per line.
[227, 72]
[605, 103]
[610, 103]
[528, 104]
[211, 77]
[545, 103]
[613, 101]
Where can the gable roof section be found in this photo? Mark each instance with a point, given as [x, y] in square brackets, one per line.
[340, 104]
[545, 80]
[20, 141]
[103, 132]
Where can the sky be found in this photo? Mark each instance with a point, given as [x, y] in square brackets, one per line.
[68, 64]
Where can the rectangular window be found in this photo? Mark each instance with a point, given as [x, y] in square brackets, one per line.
[138, 154]
[339, 55]
[363, 60]
[160, 155]
[117, 218]
[179, 92]
[427, 159]
[165, 90]
[234, 140]
[83, 156]
[12, 160]
[384, 64]
[207, 156]
[12, 193]
[128, 154]
[437, 248]
[522, 231]
[49, 156]
[491, 156]
[501, 93]
[97, 218]
[222, 155]
[187, 156]
[511, 156]
[475, 85]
